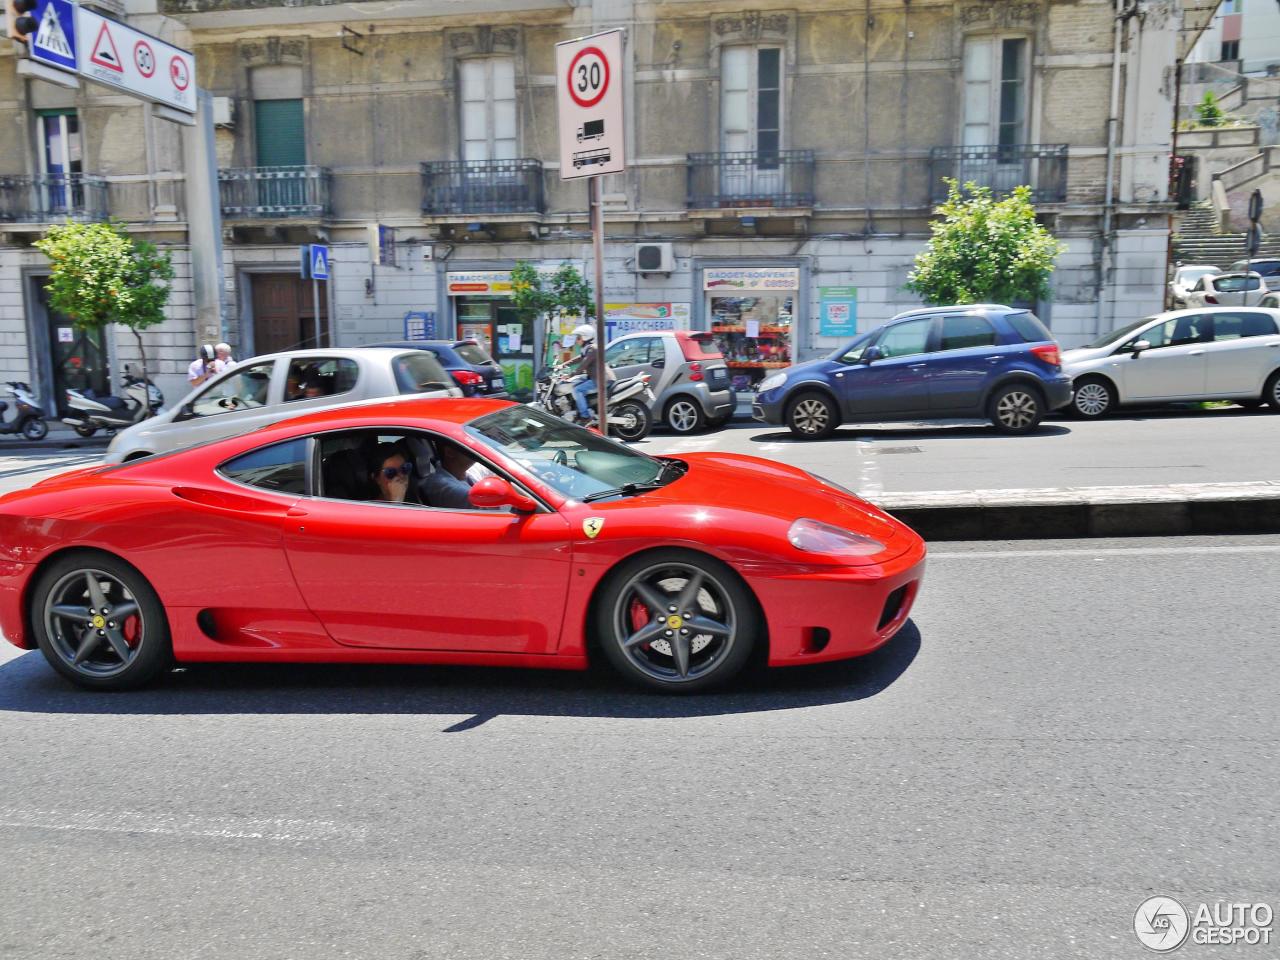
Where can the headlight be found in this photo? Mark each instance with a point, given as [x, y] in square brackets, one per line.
[771, 382]
[834, 486]
[813, 536]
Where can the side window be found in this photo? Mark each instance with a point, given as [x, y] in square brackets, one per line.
[1234, 326]
[420, 372]
[281, 467]
[628, 352]
[906, 339]
[962, 332]
[1179, 331]
[242, 390]
[313, 377]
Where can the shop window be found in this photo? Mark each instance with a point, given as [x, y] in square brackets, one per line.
[995, 91]
[754, 334]
[488, 105]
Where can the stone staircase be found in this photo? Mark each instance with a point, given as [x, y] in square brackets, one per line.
[1196, 239]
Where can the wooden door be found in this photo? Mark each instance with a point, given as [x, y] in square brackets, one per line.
[282, 314]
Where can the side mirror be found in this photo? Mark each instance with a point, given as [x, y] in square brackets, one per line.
[870, 355]
[1139, 346]
[494, 492]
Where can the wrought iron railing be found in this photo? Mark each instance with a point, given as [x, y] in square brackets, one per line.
[750, 178]
[482, 186]
[1040, 166]
[274, 193]
[51, 197]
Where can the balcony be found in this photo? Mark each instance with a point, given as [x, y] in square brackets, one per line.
[274, 193]
[750, 179]
[472, 187]
[1041, 166]
[52, 197]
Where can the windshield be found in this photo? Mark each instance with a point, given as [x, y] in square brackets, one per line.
[420, 372]
[473, 354]
[1188, 274]
[1114, 335]
[572, 459]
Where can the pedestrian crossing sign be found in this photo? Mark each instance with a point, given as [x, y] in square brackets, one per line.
[319, 262]
[55, 40]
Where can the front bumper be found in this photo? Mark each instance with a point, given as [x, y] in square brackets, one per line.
[768, 407]
[815, 616]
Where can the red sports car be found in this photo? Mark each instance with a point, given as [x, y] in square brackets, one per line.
[448, 531]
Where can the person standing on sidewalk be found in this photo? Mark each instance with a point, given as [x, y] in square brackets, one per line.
[223, 357]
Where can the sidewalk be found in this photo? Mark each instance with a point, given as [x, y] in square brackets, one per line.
[60, 435]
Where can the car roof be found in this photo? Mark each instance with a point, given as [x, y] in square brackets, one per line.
[353, 353]
[380, 411]
[957, 308]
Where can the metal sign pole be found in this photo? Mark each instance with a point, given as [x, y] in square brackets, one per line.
[597, 246]
[315, 306]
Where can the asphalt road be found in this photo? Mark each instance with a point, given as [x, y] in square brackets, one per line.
[1064, 729]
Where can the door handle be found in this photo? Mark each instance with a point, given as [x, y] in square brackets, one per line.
[1196, 353]
[996, 357]
[916, 366]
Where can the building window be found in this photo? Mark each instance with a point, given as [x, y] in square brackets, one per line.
[995, 91]
[59, 142]
[751, 101]
[1230, 50]
[280, 133]
[488, 108]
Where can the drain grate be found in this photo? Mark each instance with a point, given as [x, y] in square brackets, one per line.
[885, 451]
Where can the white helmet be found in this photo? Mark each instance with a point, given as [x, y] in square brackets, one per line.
[585, 332]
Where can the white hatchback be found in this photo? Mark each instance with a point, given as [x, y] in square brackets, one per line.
[263, 390]
[1227, 290]
[1214, 353]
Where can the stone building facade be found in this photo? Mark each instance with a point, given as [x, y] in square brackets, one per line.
[782, 165]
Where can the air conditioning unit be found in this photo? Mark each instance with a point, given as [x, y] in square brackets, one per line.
[654, 258]
[224, 112]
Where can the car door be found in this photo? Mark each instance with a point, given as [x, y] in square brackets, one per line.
[1174, 367]
[967, 355]
[897, 382]
[632, 355]
[1245, 348]
[408, 577]
[235, 403]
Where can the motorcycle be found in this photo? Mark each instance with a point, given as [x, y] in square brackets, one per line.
[91, 412]
[630, 401]
[21, 414]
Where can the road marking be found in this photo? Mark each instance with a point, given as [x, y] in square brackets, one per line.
[869, 484]
[1102, 551]
[229, 828]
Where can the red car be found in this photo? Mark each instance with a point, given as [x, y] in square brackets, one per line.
[280, 546]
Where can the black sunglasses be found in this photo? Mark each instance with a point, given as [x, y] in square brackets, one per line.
[401, 471]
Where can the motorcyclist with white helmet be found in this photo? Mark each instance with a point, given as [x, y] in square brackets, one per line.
[585, 362]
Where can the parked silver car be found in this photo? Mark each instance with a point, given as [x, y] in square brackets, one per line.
[1227, 290]
[1185, 277]
[688, 374]
[262, 390]
[1220, 353]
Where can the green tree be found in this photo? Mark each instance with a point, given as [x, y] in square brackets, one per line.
[101, 276]
[565, 294]
[1209, 112]
[985, 250]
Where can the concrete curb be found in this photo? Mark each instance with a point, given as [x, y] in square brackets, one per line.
[1146, 511]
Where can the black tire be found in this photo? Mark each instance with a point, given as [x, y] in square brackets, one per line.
[641, 421]
[812, 415]
[85, 430]
[684, 415]
[1271, 392]
[1249, 404]
[715, 423]
[722, 600]
[33, 428]
[65, 584]
[1016, 408]
[1097, 401]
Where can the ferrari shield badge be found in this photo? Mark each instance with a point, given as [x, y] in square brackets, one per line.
[592, 526]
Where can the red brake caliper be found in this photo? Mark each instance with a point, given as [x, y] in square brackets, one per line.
[639, 617]
[130, 629]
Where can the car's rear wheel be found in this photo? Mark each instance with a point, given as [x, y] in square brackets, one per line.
[677, 621]
[1094, 397]
[1271, 393]
[99, 623]
[1016, 408]
[684, 415]
[812, 416]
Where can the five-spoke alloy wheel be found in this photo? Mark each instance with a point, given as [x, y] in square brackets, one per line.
[99, 623]
[676, 621]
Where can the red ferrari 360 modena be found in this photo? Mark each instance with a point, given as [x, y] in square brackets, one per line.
[448, 531]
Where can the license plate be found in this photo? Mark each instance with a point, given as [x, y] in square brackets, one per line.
[498, 384]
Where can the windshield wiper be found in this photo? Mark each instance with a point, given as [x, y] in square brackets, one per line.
[640, 486]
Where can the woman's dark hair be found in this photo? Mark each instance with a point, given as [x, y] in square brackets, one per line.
[384, 452]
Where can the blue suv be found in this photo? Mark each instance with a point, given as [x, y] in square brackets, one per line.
[979, 361]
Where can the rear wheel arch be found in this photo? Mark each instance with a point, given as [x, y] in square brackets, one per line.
[1012, 379]
[57, 556]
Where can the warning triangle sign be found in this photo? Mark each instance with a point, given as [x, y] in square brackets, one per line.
[104, 51]
[50, 36]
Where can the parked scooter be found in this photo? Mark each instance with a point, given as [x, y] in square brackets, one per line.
[19, 412]
[90, 412]
[630, 401]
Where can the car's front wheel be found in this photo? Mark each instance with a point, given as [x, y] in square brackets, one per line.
[677, 621]
[99, 623]
[812, 416]
[1017, 408]
[1093, 397]
[684, 415]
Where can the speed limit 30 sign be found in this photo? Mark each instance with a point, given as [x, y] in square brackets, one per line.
[589, 105]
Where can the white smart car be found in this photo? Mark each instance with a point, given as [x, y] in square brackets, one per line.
[1213, 353]
[263, 390]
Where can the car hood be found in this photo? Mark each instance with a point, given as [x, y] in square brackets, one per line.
[765, 488]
